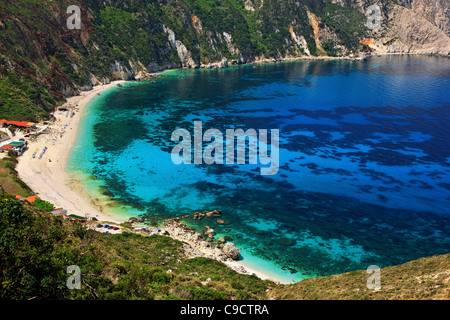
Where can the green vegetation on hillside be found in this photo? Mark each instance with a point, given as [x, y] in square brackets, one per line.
[20, 99]
[36, 249]
[421, 279]
[9, 180]
[42, 61]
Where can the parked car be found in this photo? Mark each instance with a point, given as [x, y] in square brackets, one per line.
[99, 226]
[110, 227]
[105, 226]
[116, 228]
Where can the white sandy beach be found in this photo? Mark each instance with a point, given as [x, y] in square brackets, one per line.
[51, 181]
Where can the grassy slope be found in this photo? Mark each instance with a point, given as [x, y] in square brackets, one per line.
[41, 60]
[36, 248]
[9, 180]
[424, 278]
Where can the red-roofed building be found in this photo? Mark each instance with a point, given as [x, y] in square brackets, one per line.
[4, 122]
[6, 147]
[17, 146]
[30, 199]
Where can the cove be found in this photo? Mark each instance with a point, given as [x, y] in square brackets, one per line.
[364, 159]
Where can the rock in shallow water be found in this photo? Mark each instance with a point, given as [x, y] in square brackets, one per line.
[220, 221]
[214, 213]
[231, 251]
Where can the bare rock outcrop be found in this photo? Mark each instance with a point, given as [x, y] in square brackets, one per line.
[195, 244]
[214, 213]
[409, 32]
[231, 251]
[408, 26]
[120, 72]
[435, 11]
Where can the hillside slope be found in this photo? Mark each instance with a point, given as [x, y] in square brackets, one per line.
[36, 248]
[421, 279]
[42, 61]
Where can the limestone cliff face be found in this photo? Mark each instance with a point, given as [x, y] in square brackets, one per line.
[409, 26]
[300, 41]
[410, 32]
[124, 39]
[183, 53]
[435, 11]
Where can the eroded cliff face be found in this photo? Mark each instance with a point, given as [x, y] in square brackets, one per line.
[408, 26]
[435, 11]
[124, 39]
[407, 31]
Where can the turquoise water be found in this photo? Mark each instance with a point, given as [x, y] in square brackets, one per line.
[364, 175]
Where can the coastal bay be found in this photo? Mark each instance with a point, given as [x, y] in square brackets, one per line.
[287, 235]
[51, 181]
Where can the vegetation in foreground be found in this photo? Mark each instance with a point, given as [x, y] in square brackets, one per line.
[36, 248]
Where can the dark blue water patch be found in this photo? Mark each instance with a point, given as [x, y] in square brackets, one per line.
[421, 184]
[444, 185]
[432, 124]
[119, 133]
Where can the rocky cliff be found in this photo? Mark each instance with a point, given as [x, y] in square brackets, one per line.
[42, 61]
[408, 26]
[410, 32]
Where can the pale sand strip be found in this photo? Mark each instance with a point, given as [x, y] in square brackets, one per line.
[51, 181]
[241, 268]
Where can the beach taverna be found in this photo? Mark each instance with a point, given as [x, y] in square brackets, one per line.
[17, 146]
[13, 126]
[20, 124]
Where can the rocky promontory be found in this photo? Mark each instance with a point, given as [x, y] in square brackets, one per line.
[195, 245]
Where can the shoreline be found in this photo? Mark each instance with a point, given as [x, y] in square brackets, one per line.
[51, 180]
[233, 63]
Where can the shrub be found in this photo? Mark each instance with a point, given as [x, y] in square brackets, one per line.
[162, 277]
[42, 204]
[9, 165]
[207, 294]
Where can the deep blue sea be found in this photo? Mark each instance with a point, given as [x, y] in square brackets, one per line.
[364, 159]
